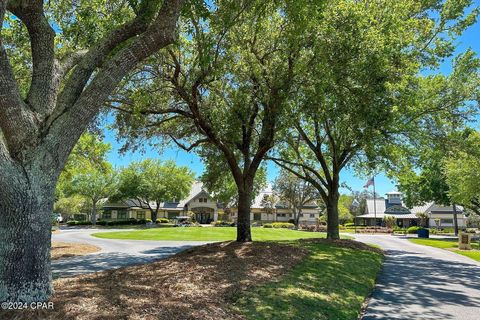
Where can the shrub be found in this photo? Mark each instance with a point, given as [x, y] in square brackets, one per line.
[349, 225]
[102, 222]
[79, 223]
[163, 220]
[306, 227]
[268, 225]
[220, 223]
[447, 230]
[291, 221]
[285, 225]
[413, 229]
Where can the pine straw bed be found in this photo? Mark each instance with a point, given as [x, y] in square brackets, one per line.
[61, 250]
[198, 283]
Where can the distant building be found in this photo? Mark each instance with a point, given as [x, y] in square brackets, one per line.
[205, 210]
[438, 216]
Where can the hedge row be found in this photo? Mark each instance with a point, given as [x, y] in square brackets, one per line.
[222, 223]
[285, 225]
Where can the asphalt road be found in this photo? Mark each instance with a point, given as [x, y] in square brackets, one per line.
[421, 282]
[114, 253]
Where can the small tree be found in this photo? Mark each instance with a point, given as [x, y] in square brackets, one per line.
[423, 216]
[390, 221]
[152, 182]
[94, 185]
[295, 193]
[269, 203]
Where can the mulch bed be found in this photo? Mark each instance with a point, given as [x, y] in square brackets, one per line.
[196, 284]
[62, 250]
[199, 283]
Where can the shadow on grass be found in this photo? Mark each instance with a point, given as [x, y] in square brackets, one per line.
[331, 283]
[111, 260]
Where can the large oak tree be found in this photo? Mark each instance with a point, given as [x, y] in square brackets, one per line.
[223, 90]
[59, 62]
[363, 93]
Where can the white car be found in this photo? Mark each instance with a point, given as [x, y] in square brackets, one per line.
[58, 217]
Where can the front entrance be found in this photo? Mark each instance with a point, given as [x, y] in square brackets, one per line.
[203, 215]
[203, 218]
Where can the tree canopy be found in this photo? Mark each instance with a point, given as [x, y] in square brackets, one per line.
[152, 182]
[363, 94]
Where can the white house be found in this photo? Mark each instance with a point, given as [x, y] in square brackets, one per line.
[392, 205]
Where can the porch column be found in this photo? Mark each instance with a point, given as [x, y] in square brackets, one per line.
[215, 214]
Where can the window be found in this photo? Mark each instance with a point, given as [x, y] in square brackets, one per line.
[107, 215]
[257, 216]
[200, 199]
[122, 214]
[281, 214]
[446, 221]
[301, 215]
[312, 215]
[172, 214]
[141, 215]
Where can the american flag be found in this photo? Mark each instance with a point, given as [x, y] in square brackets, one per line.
[369, 183]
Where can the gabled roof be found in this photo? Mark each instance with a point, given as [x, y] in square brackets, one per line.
[379, 205]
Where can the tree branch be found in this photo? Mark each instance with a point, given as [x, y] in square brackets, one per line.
[158, 35]
[98, 54]
[42, 92]
[190, 147]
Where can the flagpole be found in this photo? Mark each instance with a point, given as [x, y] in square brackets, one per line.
[374, 205]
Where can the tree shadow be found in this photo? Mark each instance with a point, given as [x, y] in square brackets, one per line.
[91, 263]
[414, 286]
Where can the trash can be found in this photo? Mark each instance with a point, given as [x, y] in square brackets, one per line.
[423, 233]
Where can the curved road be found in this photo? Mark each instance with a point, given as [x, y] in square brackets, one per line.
[114, 253]
[421, 282]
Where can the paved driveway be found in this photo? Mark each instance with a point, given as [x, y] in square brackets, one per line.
[421, 282]
[114, 253]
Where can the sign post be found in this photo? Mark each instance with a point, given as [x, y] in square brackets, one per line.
[465, 241]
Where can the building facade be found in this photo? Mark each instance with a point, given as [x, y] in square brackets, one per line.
[437, 216]
[200, 204]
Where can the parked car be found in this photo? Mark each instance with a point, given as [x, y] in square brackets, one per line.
[58, 217]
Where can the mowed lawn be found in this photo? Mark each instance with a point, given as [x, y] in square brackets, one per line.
[451, 245]
[331, 283]
[208, 234]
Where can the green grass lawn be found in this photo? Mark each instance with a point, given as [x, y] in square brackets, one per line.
[331, 283]
[208, 234]
[450, 244]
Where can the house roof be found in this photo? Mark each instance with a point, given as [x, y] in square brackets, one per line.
[428, 207]
[396, 215]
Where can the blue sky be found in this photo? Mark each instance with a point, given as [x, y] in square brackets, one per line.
[470, 39]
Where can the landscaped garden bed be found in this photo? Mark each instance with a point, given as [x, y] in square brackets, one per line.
[307, 279]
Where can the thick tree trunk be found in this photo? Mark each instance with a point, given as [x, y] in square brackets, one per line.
[26, 208]
[332, 215]
[243, 221]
